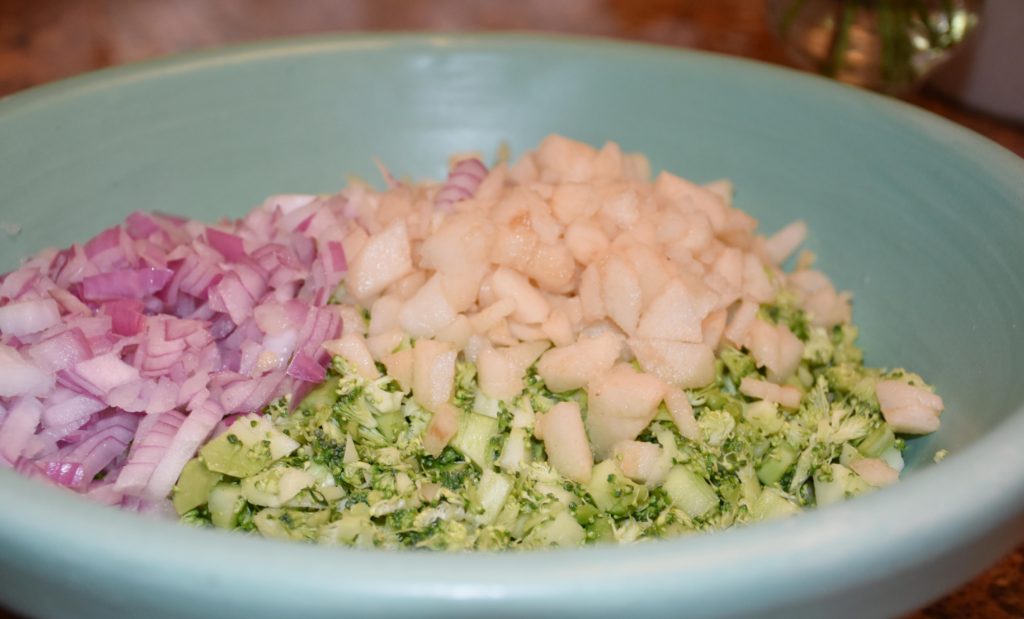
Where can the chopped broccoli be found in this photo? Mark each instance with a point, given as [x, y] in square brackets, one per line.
[347, 464]
[785, 311]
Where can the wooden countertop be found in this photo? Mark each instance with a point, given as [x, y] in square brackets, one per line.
[45, 40]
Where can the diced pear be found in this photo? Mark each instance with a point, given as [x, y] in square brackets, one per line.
[433, 373]
[352, 348]
[641, 461]
[739, 324]
[552, 266]
[565, 160]
[785, 395]
[678, 312]
[620, 205]
[783, 243]
[428, 311]
[461, 289]
[586, 240]
[531, 306]
[515, 241]
[442, 427]
[591, 299]
[653, 269]
[908, 409]
[565, 441]
[409, 285]
[384, 314]
[775, 348]
[385, 259]
[570, 201]
[756, 284]
[460, 245]
[621, 403]
[543, 222]
[729, 265]
[621, 293]
[682, 364]
[558, 329]
[457, 333]
[499, 376]
[876, 472]
[670, 191]
[525, 333]
[488, 317]
[713, 327]
[723, 188]
[679, 407]
[524, 354]
[609, 161]
[385, 343]
[524, 170]
[571, 367]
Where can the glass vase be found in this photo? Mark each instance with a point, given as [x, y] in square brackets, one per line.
[885, 45]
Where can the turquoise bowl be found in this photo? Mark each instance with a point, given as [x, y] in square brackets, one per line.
[921, 219]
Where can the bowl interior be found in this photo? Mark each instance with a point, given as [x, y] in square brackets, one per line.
[920, 219]
[900, 211]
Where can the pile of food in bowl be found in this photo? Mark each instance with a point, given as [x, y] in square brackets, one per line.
[550, 352]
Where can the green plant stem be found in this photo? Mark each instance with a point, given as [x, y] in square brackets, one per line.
[901, 28]
[934, 36]
[904, 69]
[886, 30]
[789, 17]
[949, 10]
[840, 38]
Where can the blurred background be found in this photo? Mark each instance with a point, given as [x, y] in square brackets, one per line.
[887, 44]
[961, 59]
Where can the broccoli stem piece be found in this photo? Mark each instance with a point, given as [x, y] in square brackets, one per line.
[877, 441]
[776, 463]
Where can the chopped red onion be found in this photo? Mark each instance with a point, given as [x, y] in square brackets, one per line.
[123, 354]
[126, 316]
[62, 350]
[102, 374]
[152, 438]
[28, 317]
[141, 225]
[305, 368]
[229, 245]
[462, 183]
[193, 431]
[66, 407]
[19, 377]
[125, 284]
[19, 425]
[103, 242]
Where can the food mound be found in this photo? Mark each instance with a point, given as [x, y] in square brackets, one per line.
[551, 352]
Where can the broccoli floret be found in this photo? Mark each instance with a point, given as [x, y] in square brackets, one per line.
[844, 341]
[819, 347]
[280, 407]
[383, 395]
[542, 399]
[449, 469]
[737, 363]
[328, 452]
[493, 488]
[715, 427]
[496, 444]
[785, 311]
[465, 392]
[198, 517]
